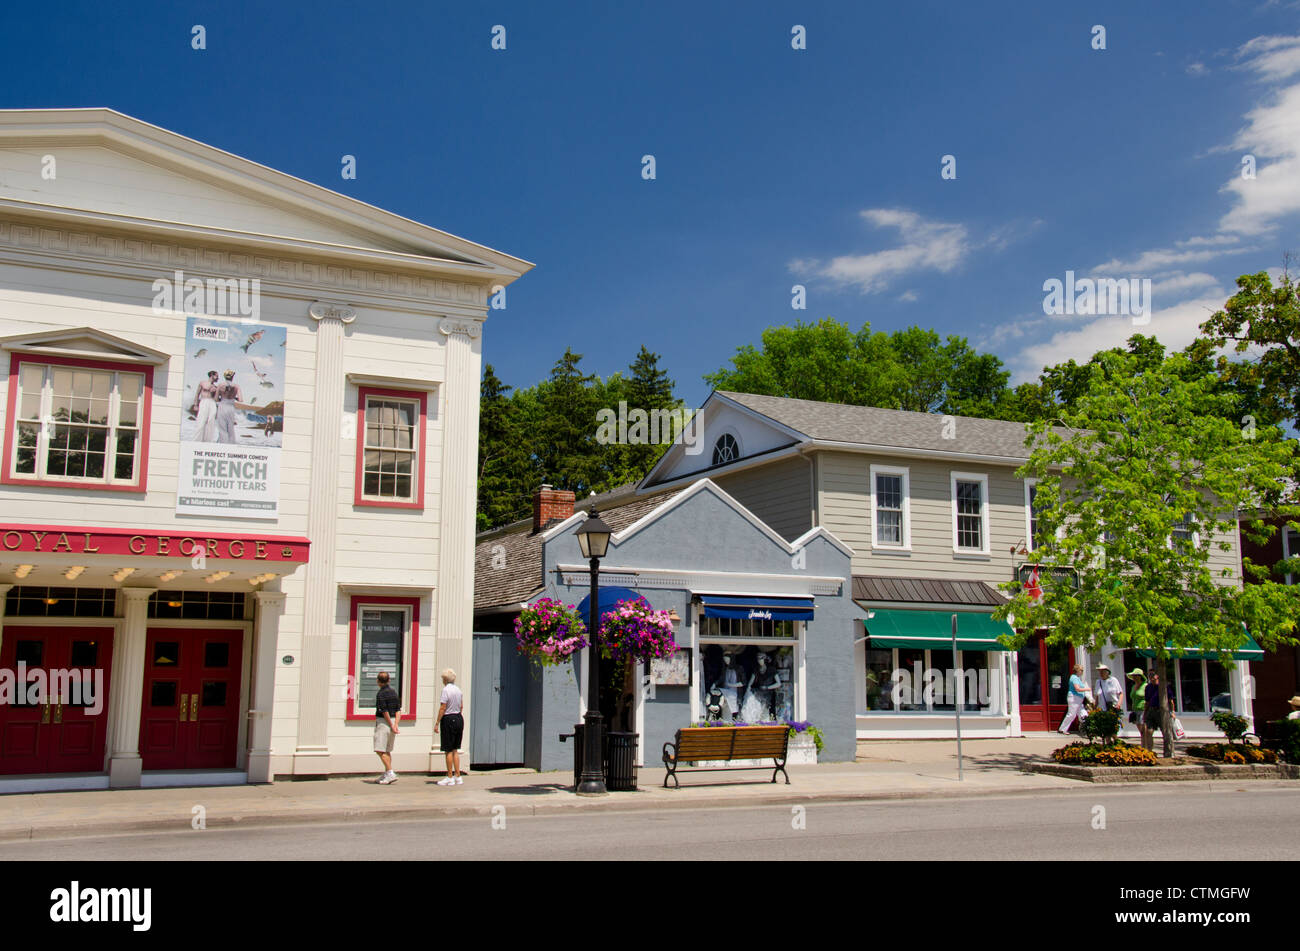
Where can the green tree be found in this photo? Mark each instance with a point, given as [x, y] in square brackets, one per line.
[1143, 484]
[1267, 318]
[503, 463]
[912, 369]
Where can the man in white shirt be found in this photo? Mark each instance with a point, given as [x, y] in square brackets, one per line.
[1110, 692]
[451, 724]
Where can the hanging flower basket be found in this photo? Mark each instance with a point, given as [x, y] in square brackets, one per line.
[550, 631]
[634, 631]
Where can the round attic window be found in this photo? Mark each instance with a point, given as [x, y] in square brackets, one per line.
[726, 449]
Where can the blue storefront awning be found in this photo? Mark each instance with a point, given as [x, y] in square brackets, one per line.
[608, 599]
[752, 608]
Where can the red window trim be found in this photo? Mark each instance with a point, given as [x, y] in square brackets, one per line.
[408, 714]
[7, 476]
[420, 396]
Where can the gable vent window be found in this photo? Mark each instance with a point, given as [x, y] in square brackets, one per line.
[725, 450]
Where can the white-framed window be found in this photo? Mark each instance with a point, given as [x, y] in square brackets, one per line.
[1200, 686]
[726, 448]
[390, 444]
[1290, 548]
[891, 508]
[1184, 534]
[970, 513]
[1031, 513]
[919, 680]
[78, 423]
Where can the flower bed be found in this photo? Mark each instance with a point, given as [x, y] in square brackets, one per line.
[1233, 753]
[1118, 753]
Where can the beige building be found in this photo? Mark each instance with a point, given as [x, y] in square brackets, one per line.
[937, 518]
[238, 473]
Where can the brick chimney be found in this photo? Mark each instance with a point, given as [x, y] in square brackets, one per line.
[551, 505]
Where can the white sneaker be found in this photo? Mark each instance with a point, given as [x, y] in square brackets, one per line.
[447, 782]
[459, 781]
[388, 779]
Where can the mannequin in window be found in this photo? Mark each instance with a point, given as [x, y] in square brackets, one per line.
[728, 682]
[760, 692]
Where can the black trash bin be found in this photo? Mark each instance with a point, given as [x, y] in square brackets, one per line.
[618, 762]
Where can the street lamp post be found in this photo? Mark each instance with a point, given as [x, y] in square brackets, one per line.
[593, 539]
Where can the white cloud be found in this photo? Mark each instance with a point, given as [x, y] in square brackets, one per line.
[926, 246]
[1160, 259]
[1175, 327]
[1196, 69]
[909, 296]
[1170, 286]
[1272, 135]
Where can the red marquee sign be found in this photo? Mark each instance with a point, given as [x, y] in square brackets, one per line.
[59, 539]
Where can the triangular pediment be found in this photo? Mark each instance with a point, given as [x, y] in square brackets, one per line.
[721, 437]
[100, 163]
[83, 342]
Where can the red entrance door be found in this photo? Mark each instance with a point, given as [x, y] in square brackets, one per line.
[190, 714]
[66, 730]
[1044, 675]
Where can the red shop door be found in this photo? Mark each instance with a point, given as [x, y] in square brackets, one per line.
[1043, 672]
[190, 713]
[55, 736]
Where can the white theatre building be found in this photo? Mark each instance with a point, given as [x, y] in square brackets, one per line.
[240, 420]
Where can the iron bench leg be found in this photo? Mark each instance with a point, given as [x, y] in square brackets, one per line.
[780, 768]
[670, 764]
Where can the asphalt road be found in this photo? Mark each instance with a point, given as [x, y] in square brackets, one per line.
[1168, 821]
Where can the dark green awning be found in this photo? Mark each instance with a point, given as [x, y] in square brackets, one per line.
[976, 631]
[1247, 651]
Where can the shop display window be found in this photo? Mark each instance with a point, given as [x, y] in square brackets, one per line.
[750, 683]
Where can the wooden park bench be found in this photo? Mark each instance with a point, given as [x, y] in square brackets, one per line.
[701, 744]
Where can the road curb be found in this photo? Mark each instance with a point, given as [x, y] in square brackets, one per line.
[617, 803]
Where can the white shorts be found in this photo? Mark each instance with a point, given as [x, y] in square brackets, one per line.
[383, 737]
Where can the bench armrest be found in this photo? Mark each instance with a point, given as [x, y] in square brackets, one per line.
[670, 757]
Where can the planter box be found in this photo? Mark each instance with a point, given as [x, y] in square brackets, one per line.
[1149, 774]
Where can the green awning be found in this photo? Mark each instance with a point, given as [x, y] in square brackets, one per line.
[976, 631]
[1247, 651]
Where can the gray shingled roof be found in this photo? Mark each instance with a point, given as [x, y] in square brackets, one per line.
[924, 591]
[870, 426]
[521, 578]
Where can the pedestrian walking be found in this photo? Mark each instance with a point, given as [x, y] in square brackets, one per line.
[1295, 708]
[387, 713]
[1078, 695]
[1153, 715]
[451, 723]
[1137, 702]
[1110, 692]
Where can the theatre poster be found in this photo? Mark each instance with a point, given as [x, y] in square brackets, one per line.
[232, 419]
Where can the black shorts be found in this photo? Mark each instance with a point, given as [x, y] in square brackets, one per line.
[452, 729]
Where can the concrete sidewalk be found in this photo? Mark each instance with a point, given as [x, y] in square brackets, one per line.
[884, 770]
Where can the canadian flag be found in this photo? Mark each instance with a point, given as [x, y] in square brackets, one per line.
[1032, 586]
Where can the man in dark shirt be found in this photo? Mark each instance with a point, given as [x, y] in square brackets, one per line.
[387, 707]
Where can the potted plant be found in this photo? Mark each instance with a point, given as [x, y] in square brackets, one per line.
[550, 632]
[633, 631]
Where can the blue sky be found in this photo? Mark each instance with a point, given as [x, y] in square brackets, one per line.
[774, 166]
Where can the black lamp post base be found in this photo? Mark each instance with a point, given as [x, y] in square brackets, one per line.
[592, 787]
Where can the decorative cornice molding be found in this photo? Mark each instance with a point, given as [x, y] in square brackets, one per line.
[113, 250]
[332, 310]
[452, 325]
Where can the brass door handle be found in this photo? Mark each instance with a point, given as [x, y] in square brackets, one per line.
[194, 707]
[58, 713]
[185, 699]
[45, 714]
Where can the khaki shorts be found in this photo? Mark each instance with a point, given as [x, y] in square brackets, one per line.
[383, 737]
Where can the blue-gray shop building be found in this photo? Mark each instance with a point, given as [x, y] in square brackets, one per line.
[766, 624]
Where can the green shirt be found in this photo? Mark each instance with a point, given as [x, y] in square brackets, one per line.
[1137, 697]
